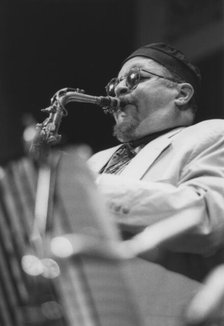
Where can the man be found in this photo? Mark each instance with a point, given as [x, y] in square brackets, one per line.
[166, 168]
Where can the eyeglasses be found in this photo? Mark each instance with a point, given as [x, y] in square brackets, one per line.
[132, 79]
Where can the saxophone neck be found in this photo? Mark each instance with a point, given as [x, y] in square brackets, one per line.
[107, 103]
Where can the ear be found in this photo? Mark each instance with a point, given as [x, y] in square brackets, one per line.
[185, 93]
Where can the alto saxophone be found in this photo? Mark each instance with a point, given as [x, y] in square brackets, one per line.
[47, 131]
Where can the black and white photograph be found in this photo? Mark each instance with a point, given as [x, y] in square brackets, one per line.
[112, 163]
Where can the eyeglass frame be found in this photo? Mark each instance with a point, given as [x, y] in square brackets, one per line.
[138, 70]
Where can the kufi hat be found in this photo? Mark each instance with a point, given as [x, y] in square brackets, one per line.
[173, 59]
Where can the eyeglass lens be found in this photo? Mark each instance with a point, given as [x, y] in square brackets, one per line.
[131, 80]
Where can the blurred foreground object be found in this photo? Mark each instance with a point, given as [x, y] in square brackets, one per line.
[207, 307]
[41, 281]
[150, 242]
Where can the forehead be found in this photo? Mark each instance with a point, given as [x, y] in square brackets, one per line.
[141, 62]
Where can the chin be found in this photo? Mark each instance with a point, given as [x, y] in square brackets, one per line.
[125, 131]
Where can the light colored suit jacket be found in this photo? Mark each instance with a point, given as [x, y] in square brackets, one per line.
[178, 174]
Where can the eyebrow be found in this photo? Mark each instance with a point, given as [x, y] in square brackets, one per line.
[134, 67]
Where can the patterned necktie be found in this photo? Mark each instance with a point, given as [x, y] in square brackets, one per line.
[119, 160]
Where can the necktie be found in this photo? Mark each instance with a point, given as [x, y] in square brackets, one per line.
[119, 160]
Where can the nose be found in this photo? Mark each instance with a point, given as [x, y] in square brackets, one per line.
[121, 88]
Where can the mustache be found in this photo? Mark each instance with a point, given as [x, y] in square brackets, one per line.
[124, 100]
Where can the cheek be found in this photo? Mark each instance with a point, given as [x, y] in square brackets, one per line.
[148, 101]
[152, 99]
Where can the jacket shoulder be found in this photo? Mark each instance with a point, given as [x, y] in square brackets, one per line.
[208, 130]
[203, 137]
[213, 126]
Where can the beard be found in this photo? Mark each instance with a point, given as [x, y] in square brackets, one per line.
[125, 130]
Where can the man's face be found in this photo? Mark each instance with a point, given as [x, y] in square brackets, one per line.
[150, 106]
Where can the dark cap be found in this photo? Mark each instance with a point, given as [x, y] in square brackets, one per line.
[173, 59]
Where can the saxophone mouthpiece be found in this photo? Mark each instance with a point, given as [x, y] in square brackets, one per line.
[111, 104]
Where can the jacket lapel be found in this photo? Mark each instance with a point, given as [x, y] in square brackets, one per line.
[145, 158]
[97, 161]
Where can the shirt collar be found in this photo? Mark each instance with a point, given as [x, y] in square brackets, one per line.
[146, 139]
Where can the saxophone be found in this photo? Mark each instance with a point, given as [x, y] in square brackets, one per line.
[47, 131]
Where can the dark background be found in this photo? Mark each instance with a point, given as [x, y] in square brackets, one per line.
[47, 45]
